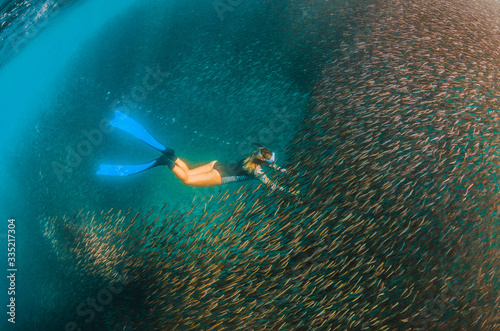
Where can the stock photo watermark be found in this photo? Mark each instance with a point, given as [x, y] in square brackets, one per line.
[93, 138]
[33, 28]
[282, 121]
[87, 310]
[21, 38]
[223, 6]
[11, 270]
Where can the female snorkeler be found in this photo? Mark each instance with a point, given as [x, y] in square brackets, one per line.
[211, 174]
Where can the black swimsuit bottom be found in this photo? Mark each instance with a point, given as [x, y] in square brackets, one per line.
[232, 172]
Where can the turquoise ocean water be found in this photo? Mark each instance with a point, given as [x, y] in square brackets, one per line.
[387, 113]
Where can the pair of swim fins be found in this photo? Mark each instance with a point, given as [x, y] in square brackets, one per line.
[127, 124]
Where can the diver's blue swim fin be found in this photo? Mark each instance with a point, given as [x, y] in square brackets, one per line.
[129, 125]
[126, 170]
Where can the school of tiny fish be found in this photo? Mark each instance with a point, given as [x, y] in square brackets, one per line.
[396, 224]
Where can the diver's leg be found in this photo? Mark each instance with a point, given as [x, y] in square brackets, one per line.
[180, 163]
[195, 171]
[180, 173]
[202, 169]
[207, 176]
[211, 178]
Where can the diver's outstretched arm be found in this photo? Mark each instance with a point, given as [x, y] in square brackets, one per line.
[266, 181]
[269, 183]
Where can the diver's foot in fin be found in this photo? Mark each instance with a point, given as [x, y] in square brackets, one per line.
[168, 151]
[166, 160]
